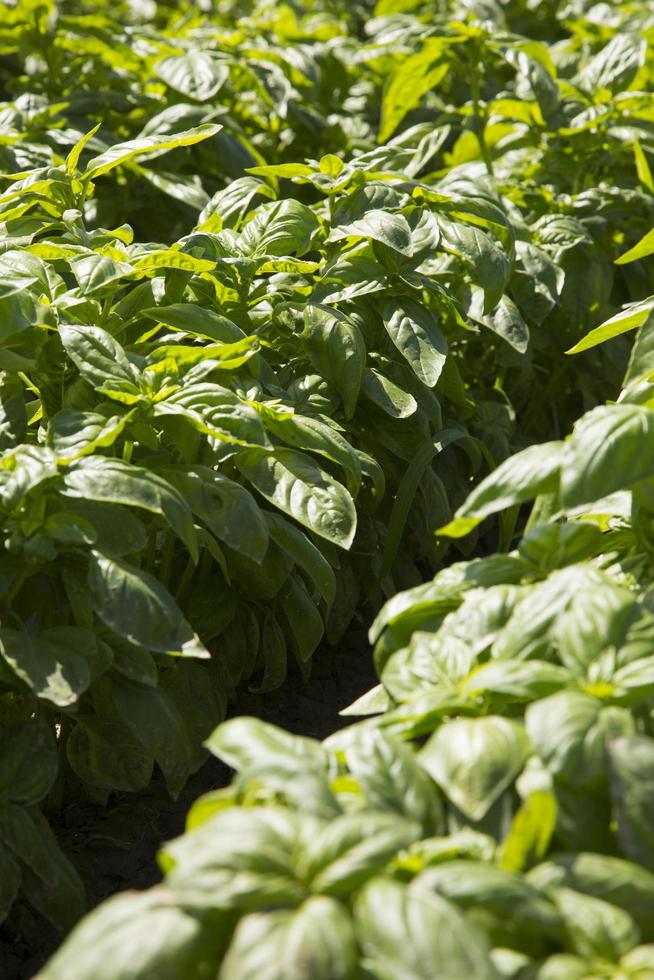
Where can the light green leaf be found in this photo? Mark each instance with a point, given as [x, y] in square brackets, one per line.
[122, 153]
[474, 760]
[293, 482]
[415, 332]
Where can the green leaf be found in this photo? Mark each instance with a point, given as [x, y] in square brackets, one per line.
[415, 76]
[139, 935]
[241, 858]
[28, 762]
[101, 361]
[631, 762]
[105, 754]
[409, 933]
[530, 833]
[594, 927]
[488, 262]
[474, 760]
[243, 742]
[199, 75]
[386, 227]
[566, 732]
[305, 622]
[123, 153]
[113, 481]
[314, 942]
[407, 490]
[137, 607]
[415, 332]
[337, 350]
[640, 250]
[279, 228]
[392, 779]
[74, 434]
[519, 478]
[49, 881]
[388, 396]
[305, 554]
[56, 663]
[291, 481]
[10, 881]
[154, 721]
[612, 448]
[229, 510]
[632, 316]
[353, 848]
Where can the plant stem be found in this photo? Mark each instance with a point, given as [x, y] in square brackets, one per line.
[167, 555]
[185, 580]
[480, 123]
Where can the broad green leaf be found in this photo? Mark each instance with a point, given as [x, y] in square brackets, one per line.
[306, 623]
[101, 361]
[113, 481]
[279, 228]
[293, 482]
[228, 509]
[337, 350]
[568, 734]
[28, 762]
[474, 760]
[123, 153]
[415, 332]
[196, 321]
[594, 927]
[624, 884]
[199, 75]
[386, 227]
[487, 260]
[243, 742]
[75, 434]
[305, 554]
[242, 858]
[631, 763]
[138, 935]
[410, 933]
[154, 720]
[135, 605]
[56, 663]
[353, 848]
[388, 396]
[612, 448]
[615, 65]
[392, 779]
[513, 907]
[314, 942]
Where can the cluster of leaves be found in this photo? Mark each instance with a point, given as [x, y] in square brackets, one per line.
[275, 283]
[492, 817]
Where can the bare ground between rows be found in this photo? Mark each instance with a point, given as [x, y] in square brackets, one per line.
[115, 848]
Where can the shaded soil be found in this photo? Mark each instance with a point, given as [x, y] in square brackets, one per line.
[114, 848]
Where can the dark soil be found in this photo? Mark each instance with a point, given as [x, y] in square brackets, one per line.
[114, 848]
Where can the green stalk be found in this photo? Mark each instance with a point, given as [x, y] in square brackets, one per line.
[480, 123]
[185, 581]
[167, 555]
